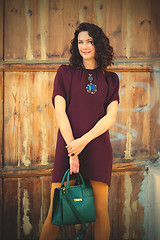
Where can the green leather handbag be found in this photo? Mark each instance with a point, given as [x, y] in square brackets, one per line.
[73, 204]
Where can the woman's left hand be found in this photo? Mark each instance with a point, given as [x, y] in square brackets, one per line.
[76, 146]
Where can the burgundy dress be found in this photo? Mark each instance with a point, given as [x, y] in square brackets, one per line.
[84, 110]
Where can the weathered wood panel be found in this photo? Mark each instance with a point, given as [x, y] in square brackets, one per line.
[36, 38]
[124, 206]
[140, 24]
[132, 128]
[70, 22]
[29, 120]
[45, 28]
[1, 30]
[10, 206]
[1, 209]
[155, 111]
[55, 47]
[25, 207]
[15, 24]
[99, 12]
[27, 201]
[1, 118]
[113, 24]
[86, 11]
[155, 29]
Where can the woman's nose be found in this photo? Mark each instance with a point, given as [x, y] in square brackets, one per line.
[84, 45]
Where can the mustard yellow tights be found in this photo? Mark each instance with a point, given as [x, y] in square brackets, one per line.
[101, 226]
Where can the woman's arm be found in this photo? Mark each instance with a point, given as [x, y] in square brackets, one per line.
[100, 127]
[62, 119]
[65, 128]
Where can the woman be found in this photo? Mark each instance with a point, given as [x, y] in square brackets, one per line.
[86, 99]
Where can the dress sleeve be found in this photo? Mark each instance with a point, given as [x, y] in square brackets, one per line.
[59, 86]
[113, 87]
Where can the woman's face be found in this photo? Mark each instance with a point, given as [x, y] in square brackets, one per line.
[86, 46]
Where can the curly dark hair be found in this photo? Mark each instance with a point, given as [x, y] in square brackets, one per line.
[103, 50]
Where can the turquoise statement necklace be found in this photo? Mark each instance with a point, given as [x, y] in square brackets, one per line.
[91, 87]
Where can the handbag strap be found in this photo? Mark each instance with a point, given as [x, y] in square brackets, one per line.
[78, 215]
[76, 212]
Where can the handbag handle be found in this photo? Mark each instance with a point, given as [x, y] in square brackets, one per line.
[67, 174]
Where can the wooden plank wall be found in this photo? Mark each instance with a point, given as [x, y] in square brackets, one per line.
[34, 40]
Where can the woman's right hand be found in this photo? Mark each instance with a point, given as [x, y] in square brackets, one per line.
[74, 164]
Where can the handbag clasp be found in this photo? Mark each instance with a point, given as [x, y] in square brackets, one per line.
[78, 200]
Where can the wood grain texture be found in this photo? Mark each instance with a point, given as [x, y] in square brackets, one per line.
[124, 206]
[43, 29]
[1, 119]
[155, 30]
[1, 30]
[29, 120]
[25, 214]
[70, 22]
[1, 209]
[29, 117]
[15, 24]
[36, 37]
[155, 112]
[132, 125]
[55, 45]
[25, 207]
[142, 65]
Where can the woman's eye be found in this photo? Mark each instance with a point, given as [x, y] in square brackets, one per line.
[80, 42]
[91, 42]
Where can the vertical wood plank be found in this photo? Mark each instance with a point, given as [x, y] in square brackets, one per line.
[25, 207]
[70, 22]
[15, 25]
[132, 127]
[141, 108]
[40, 202]
[1, 210]
[38, 23]
[124, 206]
[140, 28]
[1, 119]
[86, 11]
[10, 208]
[116, 200]
[155, 28]
[123, 127]
[119, 131]
[113, 16]
[155, 112]
[29, 120]
[31, 9]
[56, 21]
[136, 28]
[99, 13]
[1, 29]
[34, 203]
[126, 28]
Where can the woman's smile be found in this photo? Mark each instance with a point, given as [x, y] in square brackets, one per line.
[86, 52]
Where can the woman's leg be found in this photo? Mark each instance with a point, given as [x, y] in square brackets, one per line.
[50, 231]
[102, 224]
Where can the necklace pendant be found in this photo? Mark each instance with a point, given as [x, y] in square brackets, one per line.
[90, 78]
[91, 88]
